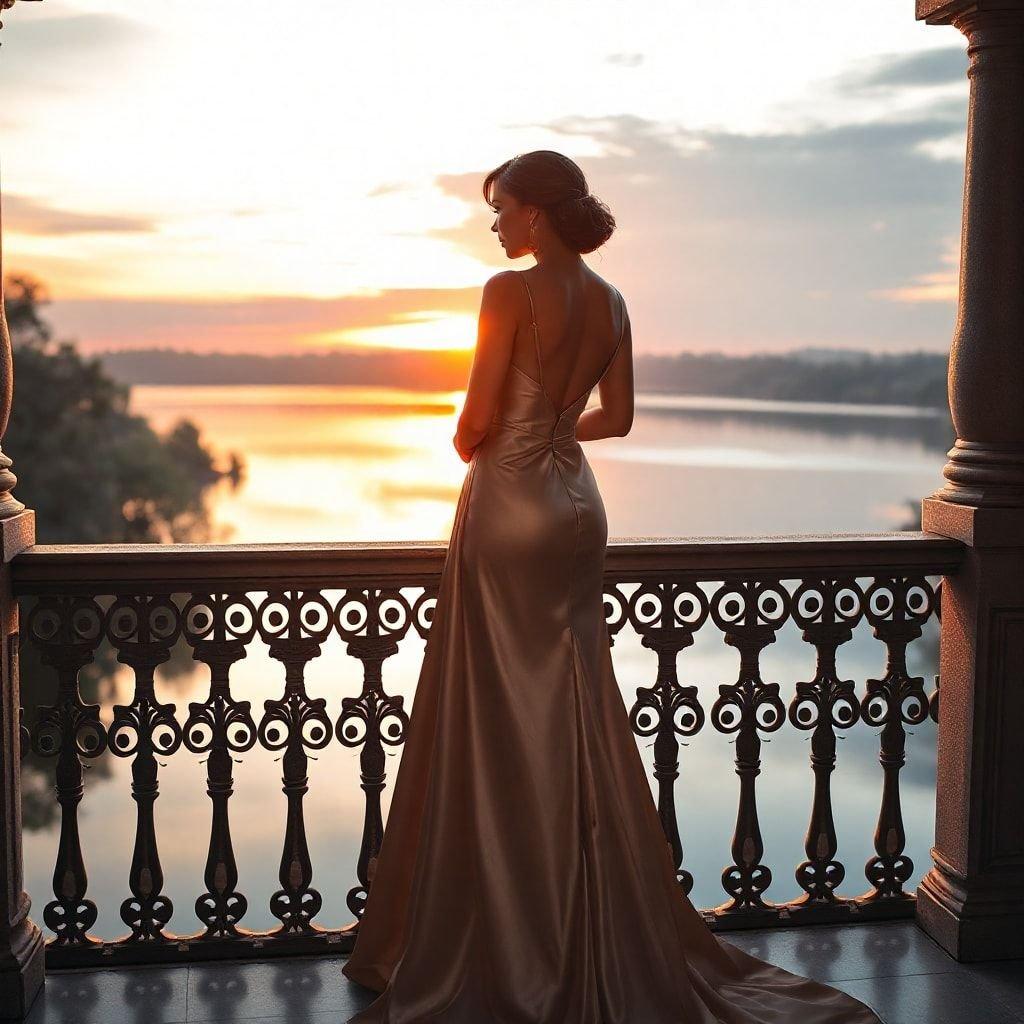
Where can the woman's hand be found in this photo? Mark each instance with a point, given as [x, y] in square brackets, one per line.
[464, 453]
[467, 437]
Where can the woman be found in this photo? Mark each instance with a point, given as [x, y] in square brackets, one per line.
[524, 876]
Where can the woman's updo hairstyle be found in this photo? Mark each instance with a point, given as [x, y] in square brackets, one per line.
[556, 184]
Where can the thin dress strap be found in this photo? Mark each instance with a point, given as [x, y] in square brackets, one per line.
[536, 336]
[622, 334]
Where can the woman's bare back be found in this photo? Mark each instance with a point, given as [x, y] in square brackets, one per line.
[579, 319]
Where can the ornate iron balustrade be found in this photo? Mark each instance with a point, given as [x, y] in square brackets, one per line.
[144, 599]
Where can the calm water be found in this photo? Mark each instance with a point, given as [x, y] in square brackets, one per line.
[354, 463]
[357, 463]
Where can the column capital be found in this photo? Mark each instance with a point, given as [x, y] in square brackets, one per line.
[945, 12]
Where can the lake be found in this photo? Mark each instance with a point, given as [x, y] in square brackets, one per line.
[361, 463]
[358, 463]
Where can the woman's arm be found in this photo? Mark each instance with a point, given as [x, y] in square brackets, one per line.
[614, 416]
[496, 333]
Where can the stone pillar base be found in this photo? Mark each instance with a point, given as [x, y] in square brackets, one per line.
[21, 942]
[21, 971]
[971, 923]
[972, 900]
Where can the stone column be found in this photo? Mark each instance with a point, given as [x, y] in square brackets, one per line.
[972, 900]
[21, 942]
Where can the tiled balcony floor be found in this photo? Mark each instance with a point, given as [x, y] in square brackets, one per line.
[894, 967]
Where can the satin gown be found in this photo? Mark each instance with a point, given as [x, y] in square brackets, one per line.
[524, 876]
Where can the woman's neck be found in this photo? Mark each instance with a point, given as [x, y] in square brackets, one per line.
[554, 260]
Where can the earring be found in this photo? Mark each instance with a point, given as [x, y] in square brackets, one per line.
[533, 236]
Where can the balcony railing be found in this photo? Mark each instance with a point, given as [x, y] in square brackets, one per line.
[291, 601]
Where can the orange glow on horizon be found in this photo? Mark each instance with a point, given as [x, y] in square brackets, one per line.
[429, 331]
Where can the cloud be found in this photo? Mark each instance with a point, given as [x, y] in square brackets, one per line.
[944, 66]
[28, 216]
[247, 324]
[625, 60]
[724, 239]
[34, 46]
[935, 286]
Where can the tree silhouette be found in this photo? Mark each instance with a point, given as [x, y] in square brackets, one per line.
[93, 471]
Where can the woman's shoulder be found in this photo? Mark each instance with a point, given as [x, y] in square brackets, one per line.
[499, 287]
[503, 279]
[614, 295]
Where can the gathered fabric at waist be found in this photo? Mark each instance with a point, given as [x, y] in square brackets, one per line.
[565, 437]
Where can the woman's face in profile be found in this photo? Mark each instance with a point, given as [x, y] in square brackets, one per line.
[512, 222]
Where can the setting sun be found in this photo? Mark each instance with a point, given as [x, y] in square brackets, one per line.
[429, 330]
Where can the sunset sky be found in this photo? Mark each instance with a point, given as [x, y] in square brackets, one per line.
[268, 177]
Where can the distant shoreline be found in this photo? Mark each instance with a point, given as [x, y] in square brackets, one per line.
[910, 380]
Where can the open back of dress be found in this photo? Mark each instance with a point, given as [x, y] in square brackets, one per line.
[564, 404]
